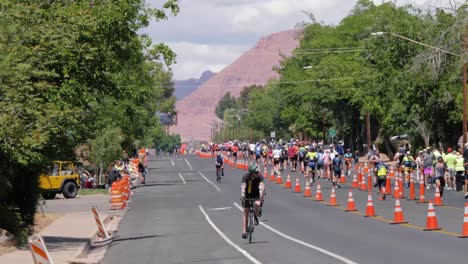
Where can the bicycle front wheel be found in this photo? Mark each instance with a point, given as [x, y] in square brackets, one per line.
[251, 227]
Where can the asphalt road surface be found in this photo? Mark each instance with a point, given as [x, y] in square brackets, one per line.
[183, 216]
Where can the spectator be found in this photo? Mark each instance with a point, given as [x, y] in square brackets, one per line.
[125, 158]
[142, 172]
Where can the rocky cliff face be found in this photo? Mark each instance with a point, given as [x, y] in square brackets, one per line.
[196, 111]
[184, 88]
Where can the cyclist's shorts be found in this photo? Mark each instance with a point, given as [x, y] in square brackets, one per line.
[247, 204]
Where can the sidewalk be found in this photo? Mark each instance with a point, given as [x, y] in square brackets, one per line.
[64, 238]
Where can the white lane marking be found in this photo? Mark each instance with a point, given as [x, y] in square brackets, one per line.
[210, 182]
[242, 251]
[220, 208]
[190, 166]
[180, 175]
[324, 251]
[172, 162]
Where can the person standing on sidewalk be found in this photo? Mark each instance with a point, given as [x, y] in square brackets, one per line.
[451, 161]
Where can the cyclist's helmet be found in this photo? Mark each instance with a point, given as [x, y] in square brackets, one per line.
[253, 168]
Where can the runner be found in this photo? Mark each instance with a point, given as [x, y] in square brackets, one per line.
[381, 170]
[348, 156]
[336, 171]
[312, 158]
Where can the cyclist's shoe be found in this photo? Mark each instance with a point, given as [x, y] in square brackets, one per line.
[256, 220]
[244, 235]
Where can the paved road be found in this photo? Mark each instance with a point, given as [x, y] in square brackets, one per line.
[181, 216]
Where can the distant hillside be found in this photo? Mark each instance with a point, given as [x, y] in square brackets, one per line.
[184, 88]
[255, 66]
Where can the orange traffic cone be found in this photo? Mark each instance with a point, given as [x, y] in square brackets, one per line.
[465, 223]
[369, 183]
[278, 179]
[351, 206]
[355, 182]
[391, 174]
[272, 177]
[288, 183]
[412, 195]
[307, 192]
[388, 186]
[359, 176]
[431, 219]
[370, 210]
[398, 215]
[422, 191]
[333, 198]
[297, 188]
[437, 198]
[363, 184]
[396, 190]
[366, 168]
[342, 178]
[318, 194]
[401, 193]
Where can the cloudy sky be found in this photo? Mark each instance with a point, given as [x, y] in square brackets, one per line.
[211, 34]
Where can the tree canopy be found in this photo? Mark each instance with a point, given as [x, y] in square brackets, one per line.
[73, 73]
[339, 73]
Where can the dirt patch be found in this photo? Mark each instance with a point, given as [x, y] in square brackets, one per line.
[42, 221]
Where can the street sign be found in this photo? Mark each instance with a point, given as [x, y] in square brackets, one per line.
[332, 132]
[273, 134]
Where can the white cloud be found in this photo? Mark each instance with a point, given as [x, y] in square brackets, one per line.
[209, 34]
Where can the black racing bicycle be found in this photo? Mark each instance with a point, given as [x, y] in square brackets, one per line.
[219, 173]
[250, 218]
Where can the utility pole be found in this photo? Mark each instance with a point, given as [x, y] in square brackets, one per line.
[464, 87]
[368, 131]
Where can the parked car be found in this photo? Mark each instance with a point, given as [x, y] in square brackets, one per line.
[62, 177]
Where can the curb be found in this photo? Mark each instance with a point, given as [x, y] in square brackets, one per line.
[111, 221]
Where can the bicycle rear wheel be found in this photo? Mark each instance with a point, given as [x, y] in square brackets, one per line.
[251, 227]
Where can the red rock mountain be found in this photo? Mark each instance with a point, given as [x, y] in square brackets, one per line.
[197, 111]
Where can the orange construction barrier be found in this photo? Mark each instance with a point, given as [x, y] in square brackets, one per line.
[318, 194]
[288, 183]
[307, 192]
[333, 198]
[355, 182]
[351, 206]
[437, 198]
[465, 223]
[279, 180]
[431, 223]
[100, 224]
[39, 250]
[297, 188]
[398, 214]
[370, 210]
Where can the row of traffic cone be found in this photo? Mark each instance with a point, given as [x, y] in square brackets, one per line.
[431, 223]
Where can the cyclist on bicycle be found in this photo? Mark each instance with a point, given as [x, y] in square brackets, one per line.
[219, 166]
[252, 187]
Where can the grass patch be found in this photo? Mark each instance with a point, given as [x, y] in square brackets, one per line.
[92, 191]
